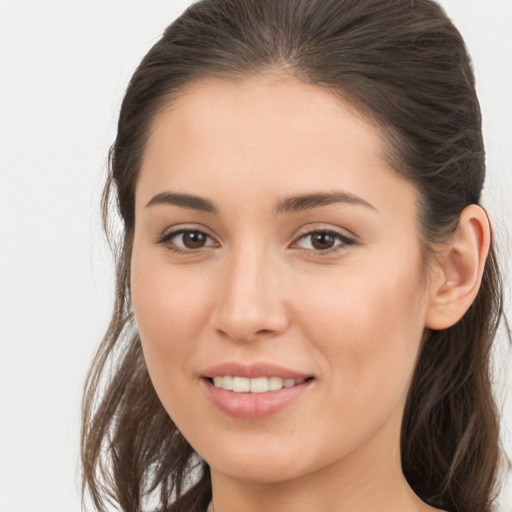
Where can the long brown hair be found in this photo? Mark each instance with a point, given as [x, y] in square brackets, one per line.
[404, 65]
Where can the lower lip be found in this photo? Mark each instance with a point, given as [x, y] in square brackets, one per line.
[253, 406]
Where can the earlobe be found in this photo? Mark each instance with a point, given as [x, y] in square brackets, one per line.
[459, 269]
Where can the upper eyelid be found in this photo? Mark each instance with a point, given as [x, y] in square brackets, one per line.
[180, 228]
[177, 232]
[342, 237]
[325, 230]
[319, 228]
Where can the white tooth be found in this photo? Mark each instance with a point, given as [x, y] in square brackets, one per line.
[288, 383]
[259, 385]
[275, 383]
[227, 382]
[241, 384]
[256, 385]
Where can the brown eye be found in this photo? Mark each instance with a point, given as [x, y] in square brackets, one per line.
[194, 239]
[186, 240]
[323, 241]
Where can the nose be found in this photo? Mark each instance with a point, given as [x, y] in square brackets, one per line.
[251, 304]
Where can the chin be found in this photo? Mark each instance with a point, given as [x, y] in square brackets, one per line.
[269, 471]
[262, 463]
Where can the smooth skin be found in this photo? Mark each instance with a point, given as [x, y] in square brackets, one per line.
[226, 267]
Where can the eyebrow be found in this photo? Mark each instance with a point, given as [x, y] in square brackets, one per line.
[287, 205]
[185, 201]
[311, 201]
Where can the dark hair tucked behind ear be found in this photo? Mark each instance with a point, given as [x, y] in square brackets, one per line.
[402, 64]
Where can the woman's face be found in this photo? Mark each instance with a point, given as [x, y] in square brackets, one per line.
[275, 247]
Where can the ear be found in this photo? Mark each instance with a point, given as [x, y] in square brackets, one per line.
[458, 269]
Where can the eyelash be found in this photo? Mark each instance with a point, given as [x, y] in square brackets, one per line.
[166, 240]
[343, 241]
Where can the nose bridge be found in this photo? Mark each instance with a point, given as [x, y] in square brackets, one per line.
[250, 303]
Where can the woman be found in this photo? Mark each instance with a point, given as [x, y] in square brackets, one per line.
[307, 291]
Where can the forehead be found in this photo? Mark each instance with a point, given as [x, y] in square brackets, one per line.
[265, 133]
[267, 105]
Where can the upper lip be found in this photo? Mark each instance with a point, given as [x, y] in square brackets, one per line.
[252, 370]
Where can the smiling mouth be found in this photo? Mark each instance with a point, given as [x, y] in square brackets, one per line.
[255, 385]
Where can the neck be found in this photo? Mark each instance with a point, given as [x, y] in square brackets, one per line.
[370, 479]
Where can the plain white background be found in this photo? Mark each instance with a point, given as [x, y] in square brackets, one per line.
[64, 66]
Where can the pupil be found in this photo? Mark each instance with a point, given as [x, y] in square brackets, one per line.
[322, 241]
[194, 239]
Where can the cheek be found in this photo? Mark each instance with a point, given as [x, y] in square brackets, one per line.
[168, 303]
[170, 310]
[158, 305]
[369, 327]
